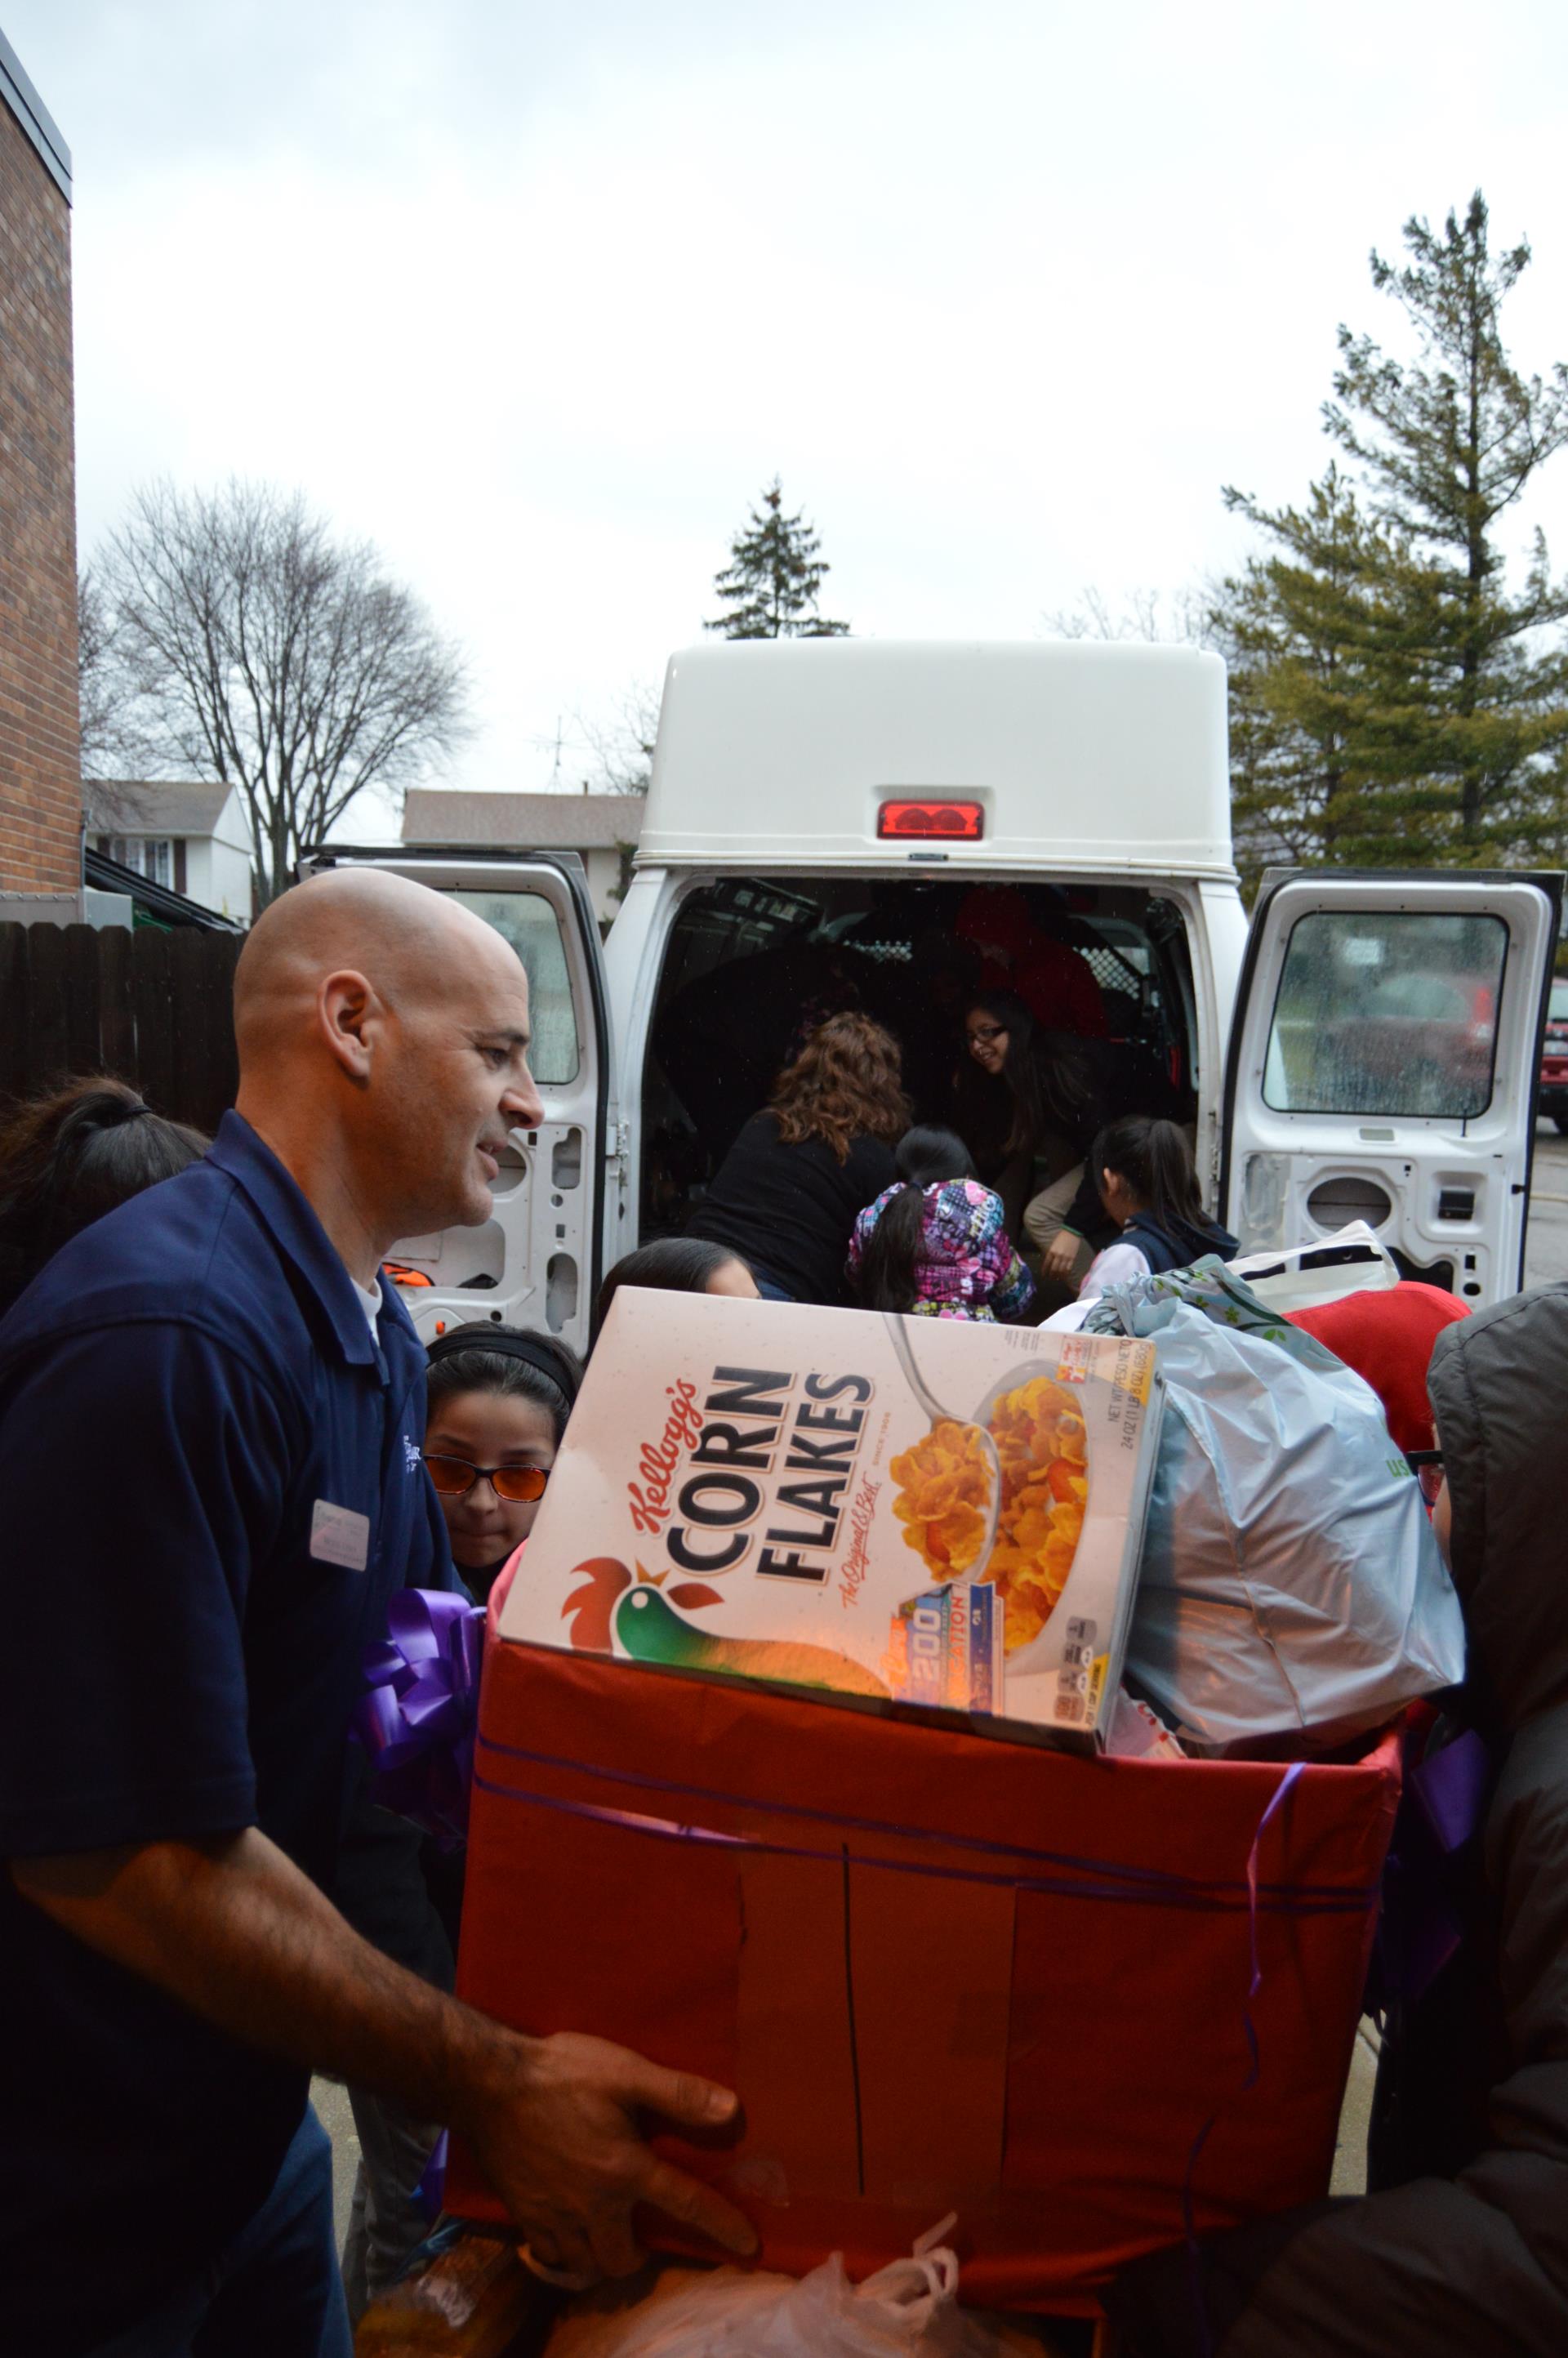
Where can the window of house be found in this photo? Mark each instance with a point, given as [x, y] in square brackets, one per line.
[151, 856]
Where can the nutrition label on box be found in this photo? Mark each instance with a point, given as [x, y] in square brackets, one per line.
[1076, 1677]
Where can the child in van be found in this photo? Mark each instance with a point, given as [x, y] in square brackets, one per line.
[936, 1243]
[1143, 1168]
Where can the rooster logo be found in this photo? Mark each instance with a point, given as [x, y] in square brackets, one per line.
[615, 1613]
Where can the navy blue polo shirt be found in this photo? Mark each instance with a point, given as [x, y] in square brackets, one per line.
[210, 1486]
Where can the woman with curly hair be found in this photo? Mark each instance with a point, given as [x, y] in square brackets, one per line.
[787, 1193]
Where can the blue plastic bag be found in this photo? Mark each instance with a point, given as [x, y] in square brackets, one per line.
[1290, 1586]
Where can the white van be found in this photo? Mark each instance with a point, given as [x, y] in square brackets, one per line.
[831, 808]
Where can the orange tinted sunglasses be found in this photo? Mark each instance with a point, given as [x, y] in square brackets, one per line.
[454, 1478]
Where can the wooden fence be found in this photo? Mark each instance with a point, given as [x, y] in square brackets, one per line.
[152, 1007]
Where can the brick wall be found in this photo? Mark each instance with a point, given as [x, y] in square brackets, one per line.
[41, 764]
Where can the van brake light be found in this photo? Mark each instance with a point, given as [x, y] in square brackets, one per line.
[954, 822]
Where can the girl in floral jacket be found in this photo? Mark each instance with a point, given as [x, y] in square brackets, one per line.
[937, 1243]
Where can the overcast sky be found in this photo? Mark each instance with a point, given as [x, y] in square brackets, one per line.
[539, 298]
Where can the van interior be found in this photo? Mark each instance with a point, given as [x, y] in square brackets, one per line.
[753, 964]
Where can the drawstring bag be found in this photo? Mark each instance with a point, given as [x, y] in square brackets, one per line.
[909, 2310]
[1290, 1589]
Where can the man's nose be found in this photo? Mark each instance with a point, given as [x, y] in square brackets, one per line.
[523, 1105]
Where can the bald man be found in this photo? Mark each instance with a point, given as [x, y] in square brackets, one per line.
[210, 1419]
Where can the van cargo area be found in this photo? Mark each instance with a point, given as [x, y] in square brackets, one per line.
[753, 964]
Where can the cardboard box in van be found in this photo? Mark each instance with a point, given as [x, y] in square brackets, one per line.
[902, 1510]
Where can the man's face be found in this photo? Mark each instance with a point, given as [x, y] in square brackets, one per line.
[455, 1083]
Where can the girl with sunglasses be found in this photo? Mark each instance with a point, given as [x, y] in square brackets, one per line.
[498, 1402]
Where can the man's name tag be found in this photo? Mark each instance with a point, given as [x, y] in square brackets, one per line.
[339, 1536]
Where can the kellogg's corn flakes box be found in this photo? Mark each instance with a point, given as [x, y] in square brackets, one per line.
[911, 1510]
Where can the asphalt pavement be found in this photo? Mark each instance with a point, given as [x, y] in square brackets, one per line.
[1546, 1240]
[1546, 1256]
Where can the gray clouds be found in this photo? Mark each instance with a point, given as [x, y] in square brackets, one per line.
[539, 298]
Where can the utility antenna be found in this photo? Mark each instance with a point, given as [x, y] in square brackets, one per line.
[556, 773]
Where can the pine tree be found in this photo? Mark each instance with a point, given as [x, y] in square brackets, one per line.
[1448, 445]
[1316, 684]
[775, 576]
[1393, 698]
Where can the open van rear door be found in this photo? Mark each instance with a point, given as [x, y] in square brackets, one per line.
[1385, 1052]
[535, 1262]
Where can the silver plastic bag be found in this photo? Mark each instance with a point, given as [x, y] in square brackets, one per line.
[909, 2310]
[1290, 1586]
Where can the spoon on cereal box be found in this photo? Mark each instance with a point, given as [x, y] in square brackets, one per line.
[957, 1454]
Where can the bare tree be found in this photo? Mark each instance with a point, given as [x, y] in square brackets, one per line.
[1172, 618]
[113, 751]
[624, 751]
[248, 645]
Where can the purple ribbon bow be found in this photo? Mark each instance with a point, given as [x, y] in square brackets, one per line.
[417, 1721]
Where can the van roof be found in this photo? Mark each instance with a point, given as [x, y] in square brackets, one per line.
[779, 751]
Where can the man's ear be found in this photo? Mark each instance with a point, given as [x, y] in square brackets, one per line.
[348, 1009]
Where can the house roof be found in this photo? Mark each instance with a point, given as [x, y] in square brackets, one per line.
[521, 822]
[150, 806]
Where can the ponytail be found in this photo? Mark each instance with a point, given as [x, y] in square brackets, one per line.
[888, 1277]
[1154, 1161]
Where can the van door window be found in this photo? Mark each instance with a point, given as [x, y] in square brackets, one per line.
[527, 921]
[1387, 1012]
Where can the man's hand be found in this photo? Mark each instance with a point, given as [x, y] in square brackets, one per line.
[232, 1929]
[557, 2137]
[1060, 1256]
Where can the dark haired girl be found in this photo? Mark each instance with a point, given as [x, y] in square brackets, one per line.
[1063, 1088]
[65, 1160]
[498, 1404]
[678, 1265]
[936, 1243]
[1149, 1189]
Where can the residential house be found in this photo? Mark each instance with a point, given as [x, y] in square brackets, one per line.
[602, 828]
[190, 838]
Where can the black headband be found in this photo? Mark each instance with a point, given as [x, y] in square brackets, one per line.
[536, 1355]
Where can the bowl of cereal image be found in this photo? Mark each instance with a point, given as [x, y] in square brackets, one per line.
[1000, 1498]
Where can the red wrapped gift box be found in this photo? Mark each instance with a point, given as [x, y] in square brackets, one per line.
[945, 1970]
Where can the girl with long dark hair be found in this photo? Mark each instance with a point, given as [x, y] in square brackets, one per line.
[497, 1400]
[936, 1244]
[1063, 1090]
[676, 1265]
[785, 1196]
[67, 1159]
[1149, 1190]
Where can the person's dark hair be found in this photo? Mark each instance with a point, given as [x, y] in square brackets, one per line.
[885, 1279]
[1049, 1075]
[482, 1357]
[1153, 1161]
[669, 1265]
[845, 1083]
[67, 1159]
